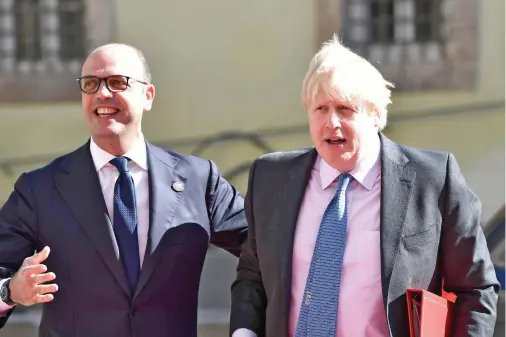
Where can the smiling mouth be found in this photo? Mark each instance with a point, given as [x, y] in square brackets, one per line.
[336, 141]
[106, 112]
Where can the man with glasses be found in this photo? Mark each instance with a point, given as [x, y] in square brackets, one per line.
[120, 227]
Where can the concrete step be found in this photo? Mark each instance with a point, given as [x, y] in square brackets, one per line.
[212, 323]
[19, 330]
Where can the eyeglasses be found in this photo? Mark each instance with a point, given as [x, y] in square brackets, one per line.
[114, 83]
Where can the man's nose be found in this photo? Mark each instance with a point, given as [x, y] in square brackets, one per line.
[334, 120]
[103, 92]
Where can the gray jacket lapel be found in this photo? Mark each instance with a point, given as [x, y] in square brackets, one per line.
[397, 179]
[163, 203]
[289, 200]
[78, 184]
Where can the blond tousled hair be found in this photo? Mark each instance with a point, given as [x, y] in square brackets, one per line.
[344, 75]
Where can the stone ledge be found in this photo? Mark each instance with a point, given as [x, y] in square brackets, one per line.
[206, 316]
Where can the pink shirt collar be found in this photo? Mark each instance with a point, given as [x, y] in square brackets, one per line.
[365, 172]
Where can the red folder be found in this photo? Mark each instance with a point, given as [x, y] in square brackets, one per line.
[430, 315]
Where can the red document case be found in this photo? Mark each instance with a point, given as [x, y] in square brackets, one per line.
[430, 315]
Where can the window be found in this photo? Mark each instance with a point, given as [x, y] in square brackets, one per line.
[26, 28]
[43, 44]
[394, 30]
[417, 44]
[401, 21]
[42, 34]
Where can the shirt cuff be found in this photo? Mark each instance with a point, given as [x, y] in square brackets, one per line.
[244, 333]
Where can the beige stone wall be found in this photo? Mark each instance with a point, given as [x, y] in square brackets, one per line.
[229, 67]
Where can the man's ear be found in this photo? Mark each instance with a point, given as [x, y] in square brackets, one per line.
[376, 117]
[150, 96]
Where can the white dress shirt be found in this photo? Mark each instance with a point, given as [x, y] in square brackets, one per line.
[108, 174]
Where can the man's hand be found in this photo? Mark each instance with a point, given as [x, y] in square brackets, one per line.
[25, 286]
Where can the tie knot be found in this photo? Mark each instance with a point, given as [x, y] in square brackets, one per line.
[121, 163]
[343, 181]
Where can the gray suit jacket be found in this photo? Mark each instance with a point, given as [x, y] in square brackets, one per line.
[430, 229]
[61, 205]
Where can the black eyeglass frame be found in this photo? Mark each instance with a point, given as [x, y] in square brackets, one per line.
[104, 79]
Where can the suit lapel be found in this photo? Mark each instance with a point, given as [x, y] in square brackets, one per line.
[79, 187]
[291, 194]
[163, 203]
[397, 179]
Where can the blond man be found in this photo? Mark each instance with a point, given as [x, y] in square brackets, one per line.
[339, 231]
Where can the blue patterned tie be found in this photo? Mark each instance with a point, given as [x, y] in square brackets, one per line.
[318, 313]
[125, 221]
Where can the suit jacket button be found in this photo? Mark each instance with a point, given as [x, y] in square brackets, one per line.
[132, 312]
[178, 186]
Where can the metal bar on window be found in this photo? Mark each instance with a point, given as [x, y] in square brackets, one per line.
[73, 33]
[7, 37]
[404, 28]
[435, 21]
[28, 48]
[355, 25]
[50, 39]
[424, 11]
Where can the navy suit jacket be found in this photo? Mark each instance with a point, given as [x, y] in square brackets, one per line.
[61, 206]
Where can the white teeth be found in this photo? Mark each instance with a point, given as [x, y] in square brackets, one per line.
[107, 111]
[335, 141]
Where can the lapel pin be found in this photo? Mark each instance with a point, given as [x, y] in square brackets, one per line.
[178, 186]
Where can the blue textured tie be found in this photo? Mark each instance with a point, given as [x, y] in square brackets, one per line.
[125, 221]
[318, 313]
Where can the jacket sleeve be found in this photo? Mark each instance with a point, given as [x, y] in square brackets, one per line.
[467, 269]
[226, 213]
[249, 301]
[18, 231]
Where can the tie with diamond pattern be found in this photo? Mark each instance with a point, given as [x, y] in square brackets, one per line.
[318, 313]
[125, 221]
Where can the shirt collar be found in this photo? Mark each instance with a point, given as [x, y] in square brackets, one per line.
[365, 172]
[137, 154]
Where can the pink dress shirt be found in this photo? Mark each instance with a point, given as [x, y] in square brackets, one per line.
[361, 312]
